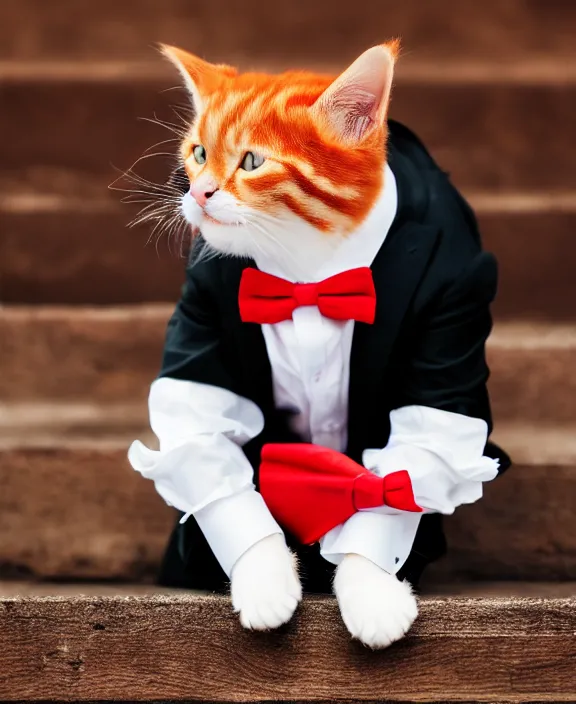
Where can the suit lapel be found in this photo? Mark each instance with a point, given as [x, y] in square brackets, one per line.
[397, 271]
[251, 346]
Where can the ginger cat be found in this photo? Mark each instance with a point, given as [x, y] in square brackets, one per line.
[290, 165]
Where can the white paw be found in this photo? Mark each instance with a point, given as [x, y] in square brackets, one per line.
[264, 585]
[376, 607]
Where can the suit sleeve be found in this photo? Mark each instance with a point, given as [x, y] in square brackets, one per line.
[447, 369]
[441, 423]
[193, 347]
[202, 425]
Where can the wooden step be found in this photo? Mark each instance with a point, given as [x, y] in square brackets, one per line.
[475, 589]
[476, 126]
[72, 508]
[78, 250]
[58, 252]
[111, 355]
[324, 29]
[78, 511]
[183, 647]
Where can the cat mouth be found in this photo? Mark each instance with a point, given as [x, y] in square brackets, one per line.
[226, 222]
[211, 219]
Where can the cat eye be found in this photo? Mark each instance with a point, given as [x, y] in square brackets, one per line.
[199, 154]
[251, 161]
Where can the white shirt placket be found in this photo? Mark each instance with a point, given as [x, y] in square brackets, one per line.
[317, 340]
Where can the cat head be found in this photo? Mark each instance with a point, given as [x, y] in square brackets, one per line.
[285, 164]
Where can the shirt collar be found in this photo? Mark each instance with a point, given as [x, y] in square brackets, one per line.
[362, 245]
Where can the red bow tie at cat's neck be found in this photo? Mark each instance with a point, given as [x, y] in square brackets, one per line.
[311, 489]
[264, 298]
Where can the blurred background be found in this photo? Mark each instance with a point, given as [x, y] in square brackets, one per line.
[491, 89]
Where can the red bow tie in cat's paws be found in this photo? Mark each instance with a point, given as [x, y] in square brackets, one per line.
[264, 298]
[311, 489]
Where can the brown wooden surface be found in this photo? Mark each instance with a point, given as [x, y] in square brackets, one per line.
[192, 647]
[78, 511]
[483, 133]
[94, 355]
[111, 355]
[333, 29]
[532, 249]
[81, 256]
[532, 373]
[519, 530]
[482, 589]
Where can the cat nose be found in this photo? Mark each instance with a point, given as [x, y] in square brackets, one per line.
[202, 190]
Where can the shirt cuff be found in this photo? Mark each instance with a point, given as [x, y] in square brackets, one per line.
[385, 539]
[443, 453]
[234, 524]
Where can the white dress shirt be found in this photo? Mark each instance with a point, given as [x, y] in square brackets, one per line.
[200, 467]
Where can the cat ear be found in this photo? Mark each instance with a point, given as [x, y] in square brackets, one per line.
[357, 101]
[200, 77]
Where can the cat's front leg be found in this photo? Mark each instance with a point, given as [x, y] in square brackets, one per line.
[265, 586]
[376, 607]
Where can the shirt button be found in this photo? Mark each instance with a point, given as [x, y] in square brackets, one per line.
[317, 377]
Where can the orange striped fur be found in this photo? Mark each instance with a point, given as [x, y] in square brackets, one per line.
[323, 138]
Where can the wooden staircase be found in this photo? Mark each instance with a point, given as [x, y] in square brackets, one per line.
[189, 647]
[491, 88]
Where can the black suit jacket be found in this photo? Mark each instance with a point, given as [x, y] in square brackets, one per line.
[434, 287]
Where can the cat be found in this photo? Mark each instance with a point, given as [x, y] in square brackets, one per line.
[287, 167]
[290, 164]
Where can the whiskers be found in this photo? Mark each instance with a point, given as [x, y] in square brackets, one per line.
[179, 129]
[161, 202]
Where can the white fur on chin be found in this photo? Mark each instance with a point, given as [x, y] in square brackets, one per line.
[285, 240]
[376, 607]
[265, 587]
